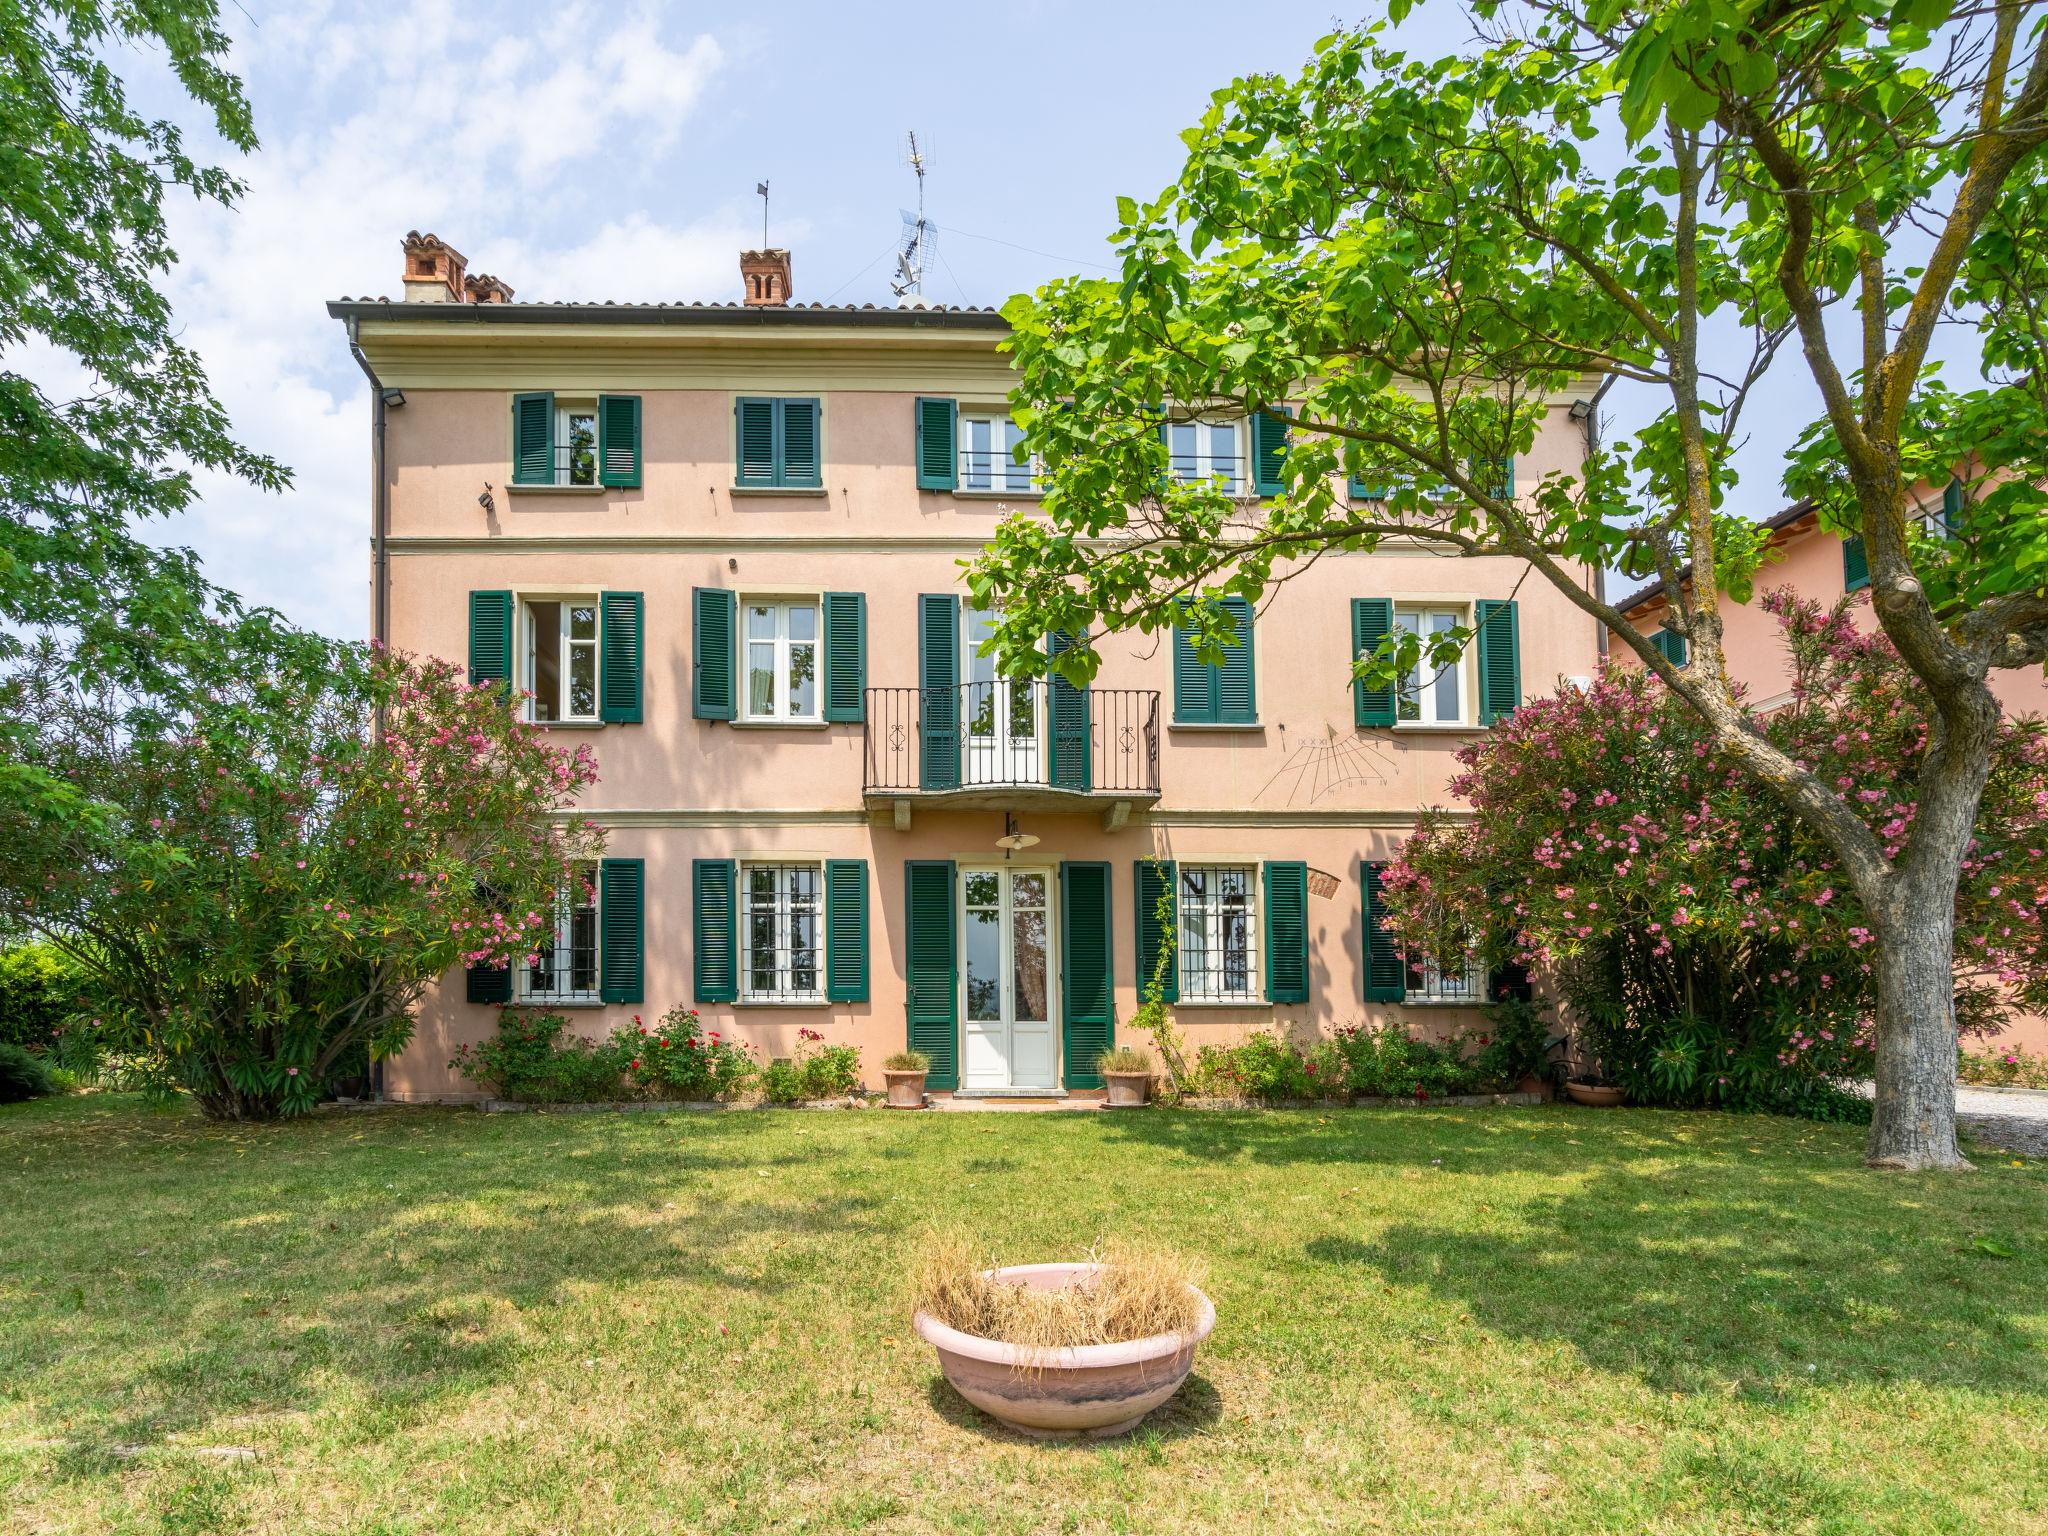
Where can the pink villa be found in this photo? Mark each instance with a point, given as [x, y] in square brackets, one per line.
[722, 543]
[1822, 566]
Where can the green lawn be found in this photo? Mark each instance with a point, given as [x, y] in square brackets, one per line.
[1506, 1320]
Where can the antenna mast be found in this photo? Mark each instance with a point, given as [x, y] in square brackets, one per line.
[920, 235]
[762, 188]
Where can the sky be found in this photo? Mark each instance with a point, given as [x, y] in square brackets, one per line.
[611, 152]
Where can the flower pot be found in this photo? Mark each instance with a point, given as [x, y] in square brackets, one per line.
[906, 1089]
[1128, 1090]
[1602, 1097]
[1540, 1086]
[1096, 1390]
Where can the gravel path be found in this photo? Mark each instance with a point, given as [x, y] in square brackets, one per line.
[2003, 1119]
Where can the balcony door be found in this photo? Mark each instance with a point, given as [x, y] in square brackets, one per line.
[1002, 718]
[1006, 1027]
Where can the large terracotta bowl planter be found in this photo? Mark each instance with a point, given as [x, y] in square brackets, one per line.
[1095, 1390]
[1128, 1090]
[906, 1089]
[1603, 1097]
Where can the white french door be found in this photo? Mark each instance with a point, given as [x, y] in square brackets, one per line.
[1006, 944]
[1003, 728]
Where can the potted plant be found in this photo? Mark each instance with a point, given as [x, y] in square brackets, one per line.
[904, 1073]
[1128, 1072]
[1593, 1091]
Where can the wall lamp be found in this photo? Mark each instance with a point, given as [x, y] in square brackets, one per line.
[394, 397]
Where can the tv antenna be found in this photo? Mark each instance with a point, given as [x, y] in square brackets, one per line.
[761, 188]
[920, 236]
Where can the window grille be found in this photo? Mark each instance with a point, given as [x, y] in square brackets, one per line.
[781, 958]
[1218, 919]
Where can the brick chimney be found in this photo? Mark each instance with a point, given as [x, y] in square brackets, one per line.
[486, 289]
[764, 278]
[433, 270]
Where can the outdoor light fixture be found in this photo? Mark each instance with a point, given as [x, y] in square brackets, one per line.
[1012, 839]
[487, 502]
[394, 397]
[1581, 409]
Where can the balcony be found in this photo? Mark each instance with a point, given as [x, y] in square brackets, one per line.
[1009, 746]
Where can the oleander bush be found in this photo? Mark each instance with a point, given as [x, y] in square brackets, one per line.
[2003, 1067]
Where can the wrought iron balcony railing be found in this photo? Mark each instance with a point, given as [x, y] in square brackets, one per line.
[1013, 735]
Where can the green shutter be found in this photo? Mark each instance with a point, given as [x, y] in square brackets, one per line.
[1194, 682]
[1372, 620]
[533, 439]
[618, 439]
[846, 930]
[1500, 661]
[490, 638]
[1269, 449]
[1495, 476]
[1855, 564]
[620, 657]
[1510, 979]
[621, 929]
[1951, 506]
[1071, 767]
[1359, 488]
[716, 616]
[846, 655]
[938, 431]
[799, 454]
[754, 434]
[489, 984]
[1286, 931]
[715, 930]
[1153, 880]
[1386, 973]
[938, 679]
[1087, 990]
[1670, 645]
[931, 977]
[1237, 700]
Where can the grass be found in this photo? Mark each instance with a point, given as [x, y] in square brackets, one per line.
[1505, 1320]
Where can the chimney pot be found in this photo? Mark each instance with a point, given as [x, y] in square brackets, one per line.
[486, 289]
[764, 278]
[433, 270]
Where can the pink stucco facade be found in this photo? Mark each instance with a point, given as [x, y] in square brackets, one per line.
[1303, 783]
[1809, 560]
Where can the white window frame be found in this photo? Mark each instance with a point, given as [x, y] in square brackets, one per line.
[1423, 690]
[783, 904]
[1192, 989]
[1431, 993]
[779, 711]
[565, 657]
[561, 455]
[1003, 475]
[1205, 463]
[566, 909]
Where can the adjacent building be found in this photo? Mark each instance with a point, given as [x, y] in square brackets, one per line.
[723, 544]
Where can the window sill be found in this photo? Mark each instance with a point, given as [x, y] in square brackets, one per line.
[1443, 1002]
[560, 1002]
[1215, 725]
[780, 725]
[1222, 1002]
[977, 495]
[779, 490]
[568, 725]
[1416, 728]
[529, 488]
[781, 1002]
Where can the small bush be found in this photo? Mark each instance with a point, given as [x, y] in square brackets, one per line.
[817, 1071]
[23, 1075]
[534, 1060]
[2003, 1067]
[907, 1061]
[672, 1060]
[41, 989]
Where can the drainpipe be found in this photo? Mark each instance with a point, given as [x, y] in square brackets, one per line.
[380, 562]
[1590, 424]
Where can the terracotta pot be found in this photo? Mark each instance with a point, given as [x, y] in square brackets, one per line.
[1598, 1098]
[1128, 1090]
[1096, 1390]
[1534, 1084]
[906, 1089]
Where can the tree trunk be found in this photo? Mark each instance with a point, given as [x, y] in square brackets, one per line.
[1914, 1123]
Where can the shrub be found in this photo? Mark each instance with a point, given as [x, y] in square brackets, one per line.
[907, 1061]
[535, 1060]
[1516, 1044]
[41, 988]
[23, 1075]
[2003, 1067]
[672, 1060]
[817, 1071]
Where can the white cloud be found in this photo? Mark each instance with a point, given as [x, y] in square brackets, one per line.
[374, 124]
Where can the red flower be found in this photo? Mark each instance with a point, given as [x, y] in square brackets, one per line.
[636, 1064]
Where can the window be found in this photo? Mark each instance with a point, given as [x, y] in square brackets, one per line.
[1430, 983]
[776, 444]
[565, 964]
[779, 957]
[1216, 693]
[782, 661]
[1431, 697]
[1202, 450]
[561, 658]
[1218, 918]
[987, 455]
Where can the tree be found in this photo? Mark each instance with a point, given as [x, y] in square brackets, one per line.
[254, 882]
[1707, 940]
[83, 246]
[1420, 258]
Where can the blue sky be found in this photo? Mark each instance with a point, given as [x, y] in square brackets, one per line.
[593, 152]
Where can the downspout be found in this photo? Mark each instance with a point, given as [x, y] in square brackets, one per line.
[1591, 426]
[380, 564]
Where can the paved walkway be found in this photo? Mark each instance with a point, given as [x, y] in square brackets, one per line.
[2011, 1119]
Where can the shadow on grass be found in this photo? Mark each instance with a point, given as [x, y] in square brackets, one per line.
[1193, 1410]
